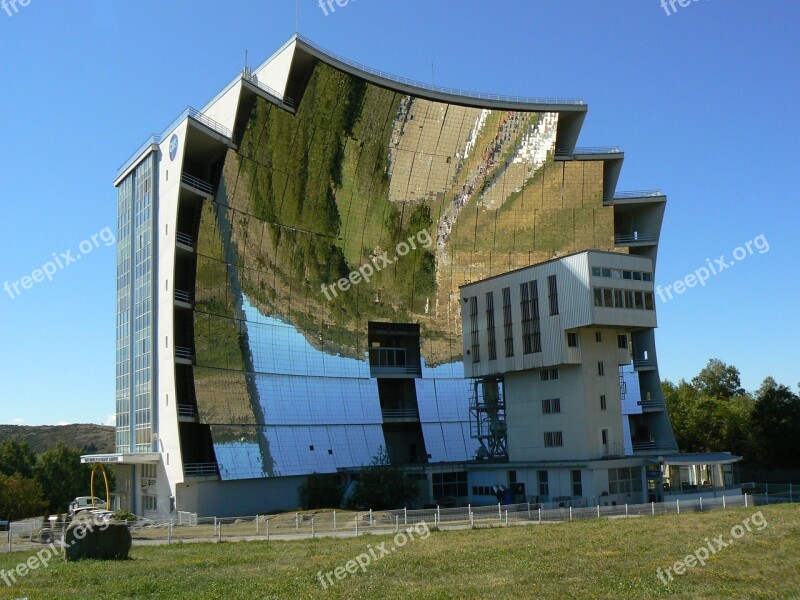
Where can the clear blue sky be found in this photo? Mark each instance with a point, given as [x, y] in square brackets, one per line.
[701, 101]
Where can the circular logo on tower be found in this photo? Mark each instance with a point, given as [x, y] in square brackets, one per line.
[173, 146]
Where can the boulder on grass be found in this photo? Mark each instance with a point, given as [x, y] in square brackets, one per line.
[86, 538]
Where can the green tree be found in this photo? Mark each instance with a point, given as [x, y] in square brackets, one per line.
[320, 490]
[62, 476]
[718, 380]
[382, 486]
[776, 424]
[20, 497]
[16, 457]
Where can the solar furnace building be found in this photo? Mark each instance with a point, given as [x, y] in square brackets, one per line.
[289, 264]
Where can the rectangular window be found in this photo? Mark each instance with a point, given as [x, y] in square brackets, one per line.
[572, 340]
[647, 276]
[601, 369]
[473, 319]
[639, 300]
[552, 286]
[551, 406]
[637, 275]
[577, 485]
[553, 439]
[627, 275]
[544, 485]
[508, 329]
[548, 374]
[596, 271]
[598, 297]
[628, 299]
[598, 336]
[648, 301]
[625, 481]
[490, 326]
[604, 436]
[606, 272]
[622, 341]
[449, 485]
[608, 298]
[529, 303]
[618, 299]
[603, 402]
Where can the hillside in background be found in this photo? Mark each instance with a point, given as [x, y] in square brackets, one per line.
[93, 438]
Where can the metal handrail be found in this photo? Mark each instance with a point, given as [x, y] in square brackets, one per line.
[200, 469]
[613, 449]
[400, 413]
[187, 410]
[638, 194]
[252, 79]
[185, 239]
[183, 296]
[183, 352]
[636, 237]
[197, 183]
[439, 89]
[157, 138]
[643, 362]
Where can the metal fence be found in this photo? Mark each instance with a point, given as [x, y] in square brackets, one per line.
[188, 527]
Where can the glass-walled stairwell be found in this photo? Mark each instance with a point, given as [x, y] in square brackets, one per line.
[135, 302]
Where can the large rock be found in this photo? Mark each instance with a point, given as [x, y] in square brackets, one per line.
[86, 538]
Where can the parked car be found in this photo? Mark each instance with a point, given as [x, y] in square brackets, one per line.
[4, 525]
[85, 503]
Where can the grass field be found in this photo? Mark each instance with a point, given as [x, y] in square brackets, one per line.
[606, 558]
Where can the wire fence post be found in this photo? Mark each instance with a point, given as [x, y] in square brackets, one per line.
[219, 532]
[626, 509]
[334, 520]
[356, 520]
[678, 506]
[297, 521]
[169, 533]
[499, 511]
[745, 499]
[570, 513]
[506, 517]
[313, 532]
[405, 515]
[397, 523]
[723, 502]
[701, 504]
[267, 529]
[598, 511]
[371, 522]
[471, 519]
[540, 515]
[257, 523]
[529, 511]
[653, 506]
[438, 515]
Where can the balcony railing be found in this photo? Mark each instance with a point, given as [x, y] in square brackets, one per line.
[184, 352]
[197, 183]
[442, 90]
[651, 404]
[399, 413]
[184, 239]
[634, 238]
[644, 363]
[200, 469]
[613, 450]
[183, 296]
[187, 410]
[653, 446]
[248, 76]
[638, 194]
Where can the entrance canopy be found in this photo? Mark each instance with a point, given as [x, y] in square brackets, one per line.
[142, 458]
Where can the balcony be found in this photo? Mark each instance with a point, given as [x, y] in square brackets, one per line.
[651, 405]
[652, 447]
[184, 355]
[593, 151]
[187, 412]
[184, 241]
[200, 470]
[183, 298]
[387, 362]
[635, 239]
[400, 415]
[613, 450]
[634, 197]
[644, 364]
[197, 185]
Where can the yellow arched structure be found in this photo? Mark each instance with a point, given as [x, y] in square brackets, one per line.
[105, 478]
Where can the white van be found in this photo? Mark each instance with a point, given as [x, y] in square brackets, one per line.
[84, 503]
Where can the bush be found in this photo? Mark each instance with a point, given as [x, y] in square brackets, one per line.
[320, 490]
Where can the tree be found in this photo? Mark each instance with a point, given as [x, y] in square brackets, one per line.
[320, 490]
[718, 380]
[62, 476]
[20, 497]
[382, 486]
[776, 424]
[16, 457]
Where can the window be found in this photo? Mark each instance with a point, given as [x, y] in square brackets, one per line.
[637, 276]
[473, 319]
[577, 485]
[618, 299]
[603, 402]
[598, 296]
[625, 481]
[598, 336]
[608, 298]
[149, 503]
[449, 484]
[572, 340]
[490, 326]
[601, 369]
[553, 439]
[606, 272]
[639, 300]
[622, 341]
[627, 275]
[548, 374]
[508, 329]
[647, 276]
[648, 301]
[604, 436]
[552, 286]
[544, 486]
[551, 405]
[596, 271]
[482, 490]
[531, 334]
[628, 299]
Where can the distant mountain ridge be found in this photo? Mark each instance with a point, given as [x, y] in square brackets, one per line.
[93, 438]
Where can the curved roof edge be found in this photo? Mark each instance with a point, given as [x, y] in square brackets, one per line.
[436, 93]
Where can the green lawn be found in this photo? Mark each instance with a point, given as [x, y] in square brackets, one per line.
[591, 559]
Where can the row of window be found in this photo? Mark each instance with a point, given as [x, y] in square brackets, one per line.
[548, 374]
[573, 337]
[625, 481]
[613, 298]
[553, 439]
[551, 406]
[622, 274]
[449, 484]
